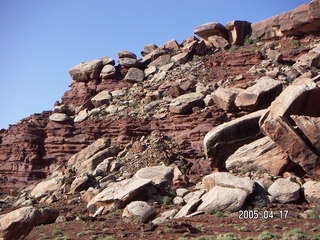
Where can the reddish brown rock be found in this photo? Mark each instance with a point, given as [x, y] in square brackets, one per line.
[175, 91]
[225, 97]
[303, 19]
[86, 70]
[172, 45]
[126, 54]
[218, 42]
[238, 31]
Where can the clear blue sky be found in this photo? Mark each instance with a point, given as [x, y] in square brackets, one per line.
[40, 40]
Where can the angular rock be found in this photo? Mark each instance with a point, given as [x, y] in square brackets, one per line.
[148, 49]
[225, 139]
[181, 192]
[225, 97]
[184, 103]
[87, 152]
[283, 133]
[47, 186]
[190, 207]
[310, 59]
[160, 61]
[101, 98]
[139, 211]
[81, 116]
[134, 75]
[218, 42]
[172, 45]
[159, 175]
[222, 199]
[128, 62]
[238, 31]
[80, 184]
[262, 155]
[259, 95]
[194, 195]
[86, 71]
[310, 126]
[178, 201]
[210, 29]
[284, 191]
[165, 216]
[311, 190]
[88, 165]
[180, 58]
[118, 194]
[224, 179]
[150, 70]
[274, 55]
[108, 71]
[18, 224]
[175, 91]
[107, 61]
[59, 117]
[126, 54]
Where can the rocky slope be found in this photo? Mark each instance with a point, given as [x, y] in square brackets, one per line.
[222, 119]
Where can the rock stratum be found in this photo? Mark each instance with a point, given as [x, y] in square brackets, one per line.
[224, 118]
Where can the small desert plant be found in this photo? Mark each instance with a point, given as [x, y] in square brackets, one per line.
[268, 236]
[57, 231]
[315, 213]
[295, 234]
[315, 237]
[295, 43]
[168, 230]
[233, 48]
[106, 238]
[205, 237]
[228, 236]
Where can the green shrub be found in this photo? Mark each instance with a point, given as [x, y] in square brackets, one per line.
[228, 236]
[296, 234]
[268, 236]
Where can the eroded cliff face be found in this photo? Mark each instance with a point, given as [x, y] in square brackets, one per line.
[154, 94]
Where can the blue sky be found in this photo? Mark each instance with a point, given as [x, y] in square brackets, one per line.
[41, 40]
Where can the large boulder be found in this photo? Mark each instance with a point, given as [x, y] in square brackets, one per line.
[102, 98]
[159, 175]
[260, 95]
[172, 45]
[139, 211]
[225, 97]
[86, 70]
[310, 126]
[310, 59]
[223, 199]
[238, 31]
[134, 75]
[118, 194]
[59, 117]
[126, 54]
[108, 71]
[181, 58]
[210, 29]
[18, 224]
[48, 186]
[303, 19]
[262, 155]
[224, 179]
[284, 191]
[184, 103]
[311, 190]
[225, 139]
[218, 42]
[88, 152]
[300, 99]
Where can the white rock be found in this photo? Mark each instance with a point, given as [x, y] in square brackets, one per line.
[284, 191]
[59, 117]
[139, 210]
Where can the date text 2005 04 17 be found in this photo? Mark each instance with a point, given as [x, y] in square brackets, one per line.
[265, 214]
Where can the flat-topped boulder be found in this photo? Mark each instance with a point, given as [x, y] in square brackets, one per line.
[210, 29]
[126, 54]
[184, 103]
[102, 98]
[86, 70]
[159, 175]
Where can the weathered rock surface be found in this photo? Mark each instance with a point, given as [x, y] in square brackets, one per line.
[59, 117]
[180, 58]
[223, 199]
[86, 70]
[134, 75]
[303, 19]
[18, 224]
[48, 186]
[238, 31]
[126, 54]
[284, 191]
[224, 179]
[159, 175]
[189, 208]
[259, 95]
[262, 155]
[108, 71]
[225, 139]
[311, 192]
[184, 103]
[101, 98]
[225, 97]
[210, 29]
[218, 42]
[118, 194]
[139, 211]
